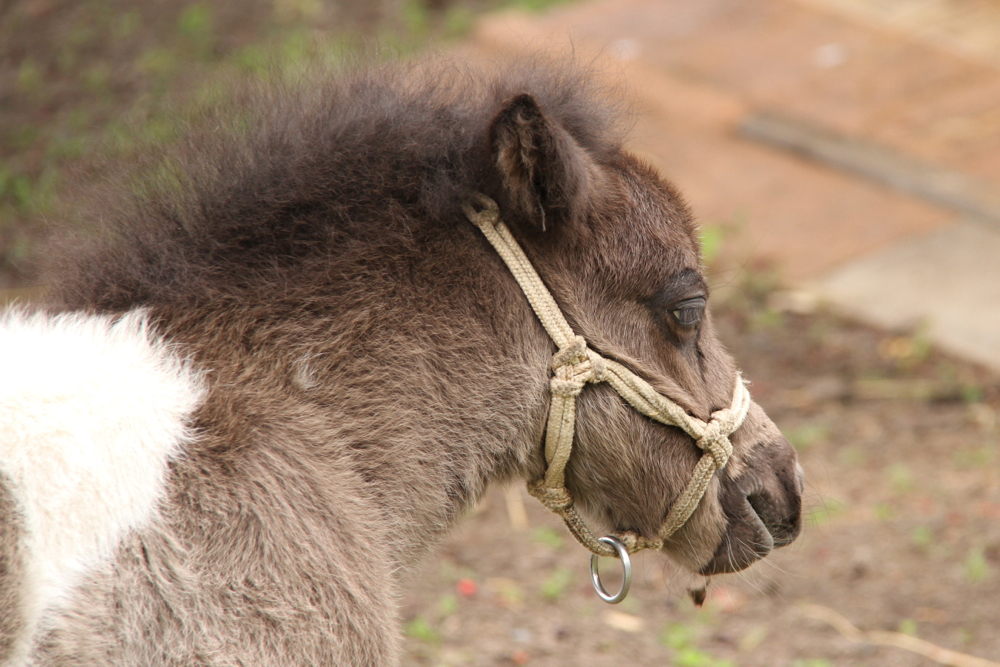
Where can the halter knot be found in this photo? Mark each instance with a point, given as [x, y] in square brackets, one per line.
[634, 542]
[489, 214]
[556, 499]
[714, 439]
[574, 367]
[568, 388]
[570, 355]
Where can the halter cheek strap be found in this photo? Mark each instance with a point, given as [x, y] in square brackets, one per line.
[573, 366]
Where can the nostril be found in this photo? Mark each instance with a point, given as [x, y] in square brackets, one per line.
[783, 529]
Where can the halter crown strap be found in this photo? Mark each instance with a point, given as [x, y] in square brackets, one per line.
[574, 365]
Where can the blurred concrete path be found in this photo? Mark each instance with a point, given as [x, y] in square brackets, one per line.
[698, 68]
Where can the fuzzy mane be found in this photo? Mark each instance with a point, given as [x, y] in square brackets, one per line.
[290, 177]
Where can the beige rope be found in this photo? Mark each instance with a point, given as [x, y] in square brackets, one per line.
[573, 366]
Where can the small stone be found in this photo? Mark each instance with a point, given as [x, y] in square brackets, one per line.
[622, 621]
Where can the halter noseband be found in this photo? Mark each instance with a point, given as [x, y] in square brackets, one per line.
[574, 365]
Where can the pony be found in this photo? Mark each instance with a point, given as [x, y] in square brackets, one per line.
[282, 368]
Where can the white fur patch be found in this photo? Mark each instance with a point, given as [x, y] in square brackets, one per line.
[91, 410]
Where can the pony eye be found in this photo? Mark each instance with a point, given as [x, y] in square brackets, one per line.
[688, 313]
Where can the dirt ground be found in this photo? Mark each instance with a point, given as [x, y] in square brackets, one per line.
[901, 532]
[899, 441]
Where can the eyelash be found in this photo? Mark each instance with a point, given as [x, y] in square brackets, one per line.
[689, 312]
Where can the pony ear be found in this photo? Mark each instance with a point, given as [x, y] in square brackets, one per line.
[542, 170]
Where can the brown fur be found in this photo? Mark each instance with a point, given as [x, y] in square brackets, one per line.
[372, 366]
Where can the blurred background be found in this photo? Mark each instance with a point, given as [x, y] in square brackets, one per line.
[843, 158]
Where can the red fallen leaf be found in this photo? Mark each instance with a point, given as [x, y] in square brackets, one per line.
[467, 587]
[520, 657]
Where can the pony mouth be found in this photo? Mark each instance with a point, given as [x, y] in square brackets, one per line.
[751, 534]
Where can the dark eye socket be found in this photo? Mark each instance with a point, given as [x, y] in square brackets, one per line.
[689, 312]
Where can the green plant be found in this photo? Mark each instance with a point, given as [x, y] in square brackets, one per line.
[681, 639]
[677, 636]
[159, 63]
[458, 21]
[805, 436]
[195, 25]
[555, 586]
[900, 478]
[508, 591]
[415, 17]
[852, 456]
[548, 537]
[447, 605]
[922, 537]
[693, 657]
[536, 5]
[975, 567]
[972, 393]
[97, 79]
[824, 513]
[975, 457]
[712, 238]
[421, 630]
[127, 24]
[29, 76]
[884, 512]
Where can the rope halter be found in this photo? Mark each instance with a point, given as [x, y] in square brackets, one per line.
[575, 365]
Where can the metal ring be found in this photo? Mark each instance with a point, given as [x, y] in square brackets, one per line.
[595, 576]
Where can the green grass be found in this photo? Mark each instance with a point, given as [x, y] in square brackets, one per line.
[884, 512]
[712, 240]
[458, 21]
[447, 605]
[536, 5]
[29, 77]
[557, 584]
[900, 478]
[922, 537]
[806, 436]
[677, 636]
[415, 17]
[421, 630]
[553, 539]
[852, 456]
[195, 23]
[825, 513]
[975, 457]
[975, 568]
[681, 639]
[127, 24]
